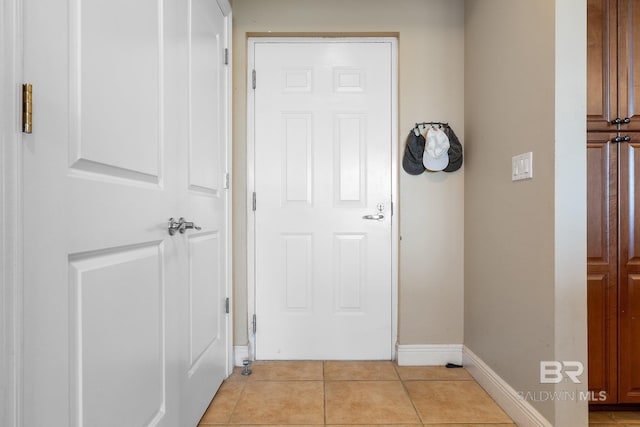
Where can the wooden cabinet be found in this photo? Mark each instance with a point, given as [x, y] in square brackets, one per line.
[613, 64]
[613, 199]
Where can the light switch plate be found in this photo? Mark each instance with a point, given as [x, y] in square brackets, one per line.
[522, 167]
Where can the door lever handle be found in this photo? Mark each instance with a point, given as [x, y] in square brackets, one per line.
[187, 225]
[181, 225]
[377, 217]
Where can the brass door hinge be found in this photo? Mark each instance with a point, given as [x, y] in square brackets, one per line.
[27, 107]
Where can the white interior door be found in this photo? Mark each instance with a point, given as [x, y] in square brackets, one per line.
[116, 326]
[323, 141]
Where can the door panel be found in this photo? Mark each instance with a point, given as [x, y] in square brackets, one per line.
[206, 96]
[602, 77]
[204, 295]
[109, 351]
[350, 150]
[629, 273]
[297, 267]
[602, 261]
[602, 337]
[297, 152]
[113, 80]
[349, 262]
[323, 161]
[629, 62]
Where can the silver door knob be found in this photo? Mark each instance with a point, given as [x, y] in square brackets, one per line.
[173, 226]
[377, 217]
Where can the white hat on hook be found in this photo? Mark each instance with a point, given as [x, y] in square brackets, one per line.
[436, 156]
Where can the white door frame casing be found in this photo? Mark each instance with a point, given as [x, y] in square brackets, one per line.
[10, 213]
[251, 255]
[11, 224]
[225, 6]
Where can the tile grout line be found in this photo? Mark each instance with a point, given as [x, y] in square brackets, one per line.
[413, 405]
[324, 393]
[233, 410]
[396, 367]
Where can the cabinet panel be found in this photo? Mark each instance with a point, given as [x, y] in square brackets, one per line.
[629, 272]
[602, 261]
[602, 77]
[629, 203]
[601, 303]
[602, 159]
[629, 351]
[629, 62]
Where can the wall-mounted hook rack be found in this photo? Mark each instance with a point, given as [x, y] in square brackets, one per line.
[424, 125]
[432, 124]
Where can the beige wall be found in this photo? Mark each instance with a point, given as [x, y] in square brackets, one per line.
[431, 74]
[525, 241]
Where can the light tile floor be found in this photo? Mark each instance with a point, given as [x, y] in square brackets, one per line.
[342, 394]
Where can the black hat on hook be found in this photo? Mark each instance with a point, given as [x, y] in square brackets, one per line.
[455, 151]
[413, 152]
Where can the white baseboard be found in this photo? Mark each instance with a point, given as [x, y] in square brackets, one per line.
[429, 355]
[520, 411]
[240, 353]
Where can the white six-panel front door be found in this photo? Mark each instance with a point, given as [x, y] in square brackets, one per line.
[323, 140]
[124, 325]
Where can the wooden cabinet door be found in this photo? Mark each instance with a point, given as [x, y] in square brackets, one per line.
[629, 63]
[629, 271]
[602, 262]
[602, 74]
